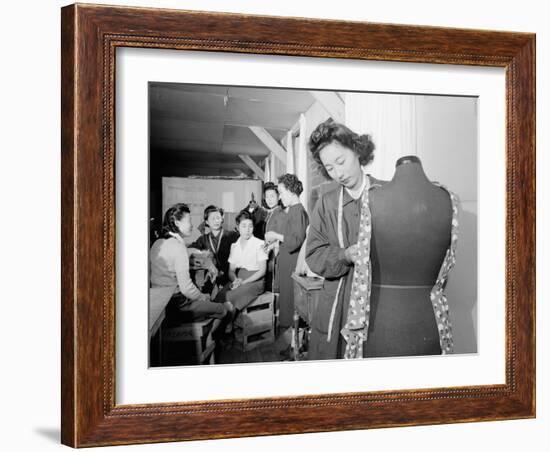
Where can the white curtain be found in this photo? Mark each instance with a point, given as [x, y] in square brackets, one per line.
[391, 122]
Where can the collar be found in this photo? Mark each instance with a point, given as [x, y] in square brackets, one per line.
[238, 242]
[347, 198]
[360, 192]
[177, 237]
[216, 236]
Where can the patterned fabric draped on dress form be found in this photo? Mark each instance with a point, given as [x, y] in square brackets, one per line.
[355, 330]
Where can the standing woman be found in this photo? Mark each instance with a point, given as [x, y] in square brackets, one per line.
[331, 249]
[275, 220]
[169, 261]
[290, 242]
[275, 214]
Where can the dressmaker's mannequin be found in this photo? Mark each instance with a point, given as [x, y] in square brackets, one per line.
[411, 232]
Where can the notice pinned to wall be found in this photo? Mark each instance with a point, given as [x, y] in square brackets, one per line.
[228, 201]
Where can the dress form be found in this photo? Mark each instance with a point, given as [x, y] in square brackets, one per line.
[411, 230]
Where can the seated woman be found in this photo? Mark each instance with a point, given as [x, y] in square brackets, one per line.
[217, 241]
[169, 265]
[247, 265]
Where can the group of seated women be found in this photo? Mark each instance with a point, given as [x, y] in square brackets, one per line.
[237, 263]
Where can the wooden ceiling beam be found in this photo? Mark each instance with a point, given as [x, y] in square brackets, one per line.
[332, 103]
[252, 165]
[265, 137]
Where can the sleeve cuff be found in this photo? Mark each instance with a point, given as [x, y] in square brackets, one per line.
[343, 259]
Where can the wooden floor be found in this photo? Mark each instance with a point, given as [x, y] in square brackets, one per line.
[233, 354]
[227, 351]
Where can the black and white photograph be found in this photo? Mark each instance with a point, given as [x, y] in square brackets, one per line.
[224, 222]
[294, 225]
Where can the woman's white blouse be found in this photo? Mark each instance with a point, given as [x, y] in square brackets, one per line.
[249, 257]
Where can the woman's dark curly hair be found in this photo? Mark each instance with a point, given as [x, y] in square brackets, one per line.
[211, 209]
[291, 183]
[270, 186]
[244, 215]
[173, 214]
[329, 131]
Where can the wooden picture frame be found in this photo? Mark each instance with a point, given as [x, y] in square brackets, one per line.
[90, 36]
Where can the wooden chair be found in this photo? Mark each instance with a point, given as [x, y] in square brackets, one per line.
[189, 343]
[255, 324]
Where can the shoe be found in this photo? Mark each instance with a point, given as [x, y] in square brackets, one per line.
[231, 312]
[227, 342]
[287, 354]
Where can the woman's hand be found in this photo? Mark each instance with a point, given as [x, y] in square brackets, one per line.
[212, 271]
[267, 247]
[204, 297]
[192, 262]
[271, 236]
[236, 283]
[352, 253]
